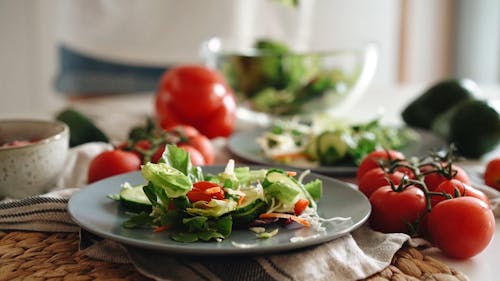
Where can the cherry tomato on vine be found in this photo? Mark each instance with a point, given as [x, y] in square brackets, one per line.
[394, 211]
[190, 136]
[432, 180]
[113, 162]
[194, 154]
[463, 189]
[492, 173]
[198, 96]
[376, 178]
[461, 227]
[370, 161]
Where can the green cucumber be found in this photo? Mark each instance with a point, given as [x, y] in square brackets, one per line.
[330, 148]
[251, 207]
[134, 199]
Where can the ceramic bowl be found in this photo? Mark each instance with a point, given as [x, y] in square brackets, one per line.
[32, 156]
[272, 79]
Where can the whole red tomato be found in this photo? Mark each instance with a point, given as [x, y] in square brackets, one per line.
[394, 211]
[113, 162]
[463, 189]
[433, 179]
[370, 161]
[492, 173]
[195, 156]
[461, 227]
[188, 135]
[198, 96]
[376, 178]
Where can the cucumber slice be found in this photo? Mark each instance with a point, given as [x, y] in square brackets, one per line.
[331, 147]
[251, 207]
[134, 199]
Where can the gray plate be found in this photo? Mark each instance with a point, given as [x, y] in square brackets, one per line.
[242, 144]
[93, 211]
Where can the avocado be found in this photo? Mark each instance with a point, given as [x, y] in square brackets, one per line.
[472, 125]
[437, 99]
[81, 128]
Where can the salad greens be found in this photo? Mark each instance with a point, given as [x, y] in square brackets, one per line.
[276, 80]
[326, 141]
[195, 206]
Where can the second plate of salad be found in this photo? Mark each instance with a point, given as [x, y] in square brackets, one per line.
[326, 146]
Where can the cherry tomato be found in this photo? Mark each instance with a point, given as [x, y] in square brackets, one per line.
[113, 162]
[432, 180]
[155, 158]
[371, 160]
[463, 189]
[394, 211]
[183, 131]
[198, 96]
[376, 178]
[195, 156]
[492, 173]
[300, 206]
[204, 146]
[461, 227]
[205, 191]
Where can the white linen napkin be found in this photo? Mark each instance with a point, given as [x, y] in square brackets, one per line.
[351, 257]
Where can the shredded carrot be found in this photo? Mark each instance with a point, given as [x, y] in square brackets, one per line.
[240, 199]
[289, 156]
[213, 190]
[161, 228]
[291, 173]
[285, 216]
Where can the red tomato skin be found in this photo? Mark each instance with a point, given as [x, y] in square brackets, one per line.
[393, 211]
[433, 180]
[155, 158]
[198, 192]
[195, 156]
[300, 206]
[449, 186]
[461, 227]
[376, 178]
[112, 162]
[189, 83]
[370, 160]
[492, 173]
[184, 131]
[198, 96]
[221, 122]
[204, 146]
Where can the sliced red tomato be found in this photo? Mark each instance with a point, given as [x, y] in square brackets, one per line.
[205, 191]
[300, 206]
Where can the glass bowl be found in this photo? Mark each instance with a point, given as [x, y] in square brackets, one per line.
[271, 81]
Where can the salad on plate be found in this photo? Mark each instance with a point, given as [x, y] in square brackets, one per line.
[324, 141]
[192, 206]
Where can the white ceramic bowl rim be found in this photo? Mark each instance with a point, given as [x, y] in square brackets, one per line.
[58, 130]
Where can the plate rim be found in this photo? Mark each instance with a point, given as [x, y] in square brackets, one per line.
[193, 251]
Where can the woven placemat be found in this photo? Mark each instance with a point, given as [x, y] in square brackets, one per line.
[54, 256]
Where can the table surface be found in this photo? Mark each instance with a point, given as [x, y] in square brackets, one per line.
[386, 102]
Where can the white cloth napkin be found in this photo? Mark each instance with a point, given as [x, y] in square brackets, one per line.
[351, 257]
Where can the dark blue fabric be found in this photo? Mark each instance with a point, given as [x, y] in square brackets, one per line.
[79, 74]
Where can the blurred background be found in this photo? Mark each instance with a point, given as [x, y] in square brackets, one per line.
[419, 41]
